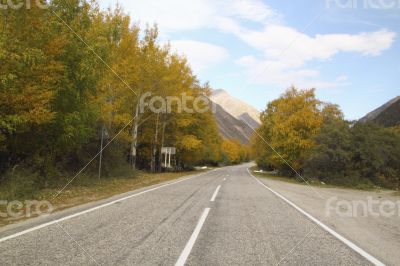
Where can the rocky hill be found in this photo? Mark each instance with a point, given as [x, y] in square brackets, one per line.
[232, 128]
[237, 108]
[387, 115]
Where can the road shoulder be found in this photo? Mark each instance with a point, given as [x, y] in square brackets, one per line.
[377, 235]
[14, 228]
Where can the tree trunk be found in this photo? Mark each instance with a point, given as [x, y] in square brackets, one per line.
[162, 145]
[101, 149]
[134, 138]
[154, 149]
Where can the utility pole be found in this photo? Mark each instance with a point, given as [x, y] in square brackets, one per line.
[101, 150]
[154, 149]
[164, 124]
[105, 132]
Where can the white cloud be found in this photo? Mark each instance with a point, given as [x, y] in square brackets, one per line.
[254, 10]
[367, 43]
[171, 15]
[182, 15]
[176, 15]
[200, 55]
[281, 74]
[275, 39]
[285, 50]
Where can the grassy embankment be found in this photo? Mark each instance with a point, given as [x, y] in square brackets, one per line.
[85, 189]
[317, 183]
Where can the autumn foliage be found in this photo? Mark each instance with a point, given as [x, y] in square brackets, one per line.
[314, 139]
[72, 73]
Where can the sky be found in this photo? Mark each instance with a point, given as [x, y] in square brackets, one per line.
[348, 50]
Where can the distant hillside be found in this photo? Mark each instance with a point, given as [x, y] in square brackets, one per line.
[236, 107]
[249, 120]
[387, 115]
[232, 128]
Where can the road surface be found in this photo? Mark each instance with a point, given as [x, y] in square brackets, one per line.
[222, 217]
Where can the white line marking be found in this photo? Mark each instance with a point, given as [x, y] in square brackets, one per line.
[95, 208]
[224, 179]
[189, 245]
[215, 193]
[76, 242]
[350, 244]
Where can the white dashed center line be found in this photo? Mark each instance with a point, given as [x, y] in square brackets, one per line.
[189, 245]
[215, 193]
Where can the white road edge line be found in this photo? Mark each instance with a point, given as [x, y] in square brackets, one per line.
[350, 244]
[215, 193]
[95, 208]
[189, 245]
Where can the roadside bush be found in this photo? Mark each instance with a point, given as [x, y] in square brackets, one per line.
[18, 184]
[318, 143]
[355, 154]
[233, 152]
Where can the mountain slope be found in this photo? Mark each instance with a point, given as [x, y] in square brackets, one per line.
[249, 120]
[236, 107]
[232, 128]
[387, 115]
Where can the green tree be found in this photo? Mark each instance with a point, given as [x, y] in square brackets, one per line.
[289, 124]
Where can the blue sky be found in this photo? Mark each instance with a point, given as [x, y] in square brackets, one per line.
[348, 50]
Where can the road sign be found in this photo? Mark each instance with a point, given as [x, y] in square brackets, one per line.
[168, 150]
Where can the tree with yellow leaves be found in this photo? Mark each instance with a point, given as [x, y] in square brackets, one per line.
[232, 150]
[289, 125]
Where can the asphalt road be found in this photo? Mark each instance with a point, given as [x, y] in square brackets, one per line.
[223, 217]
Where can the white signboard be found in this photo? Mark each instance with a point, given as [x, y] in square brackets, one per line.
[168, 150]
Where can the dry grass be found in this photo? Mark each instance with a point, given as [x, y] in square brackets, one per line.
[284, 178]
[102, 189]
[313, 182]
